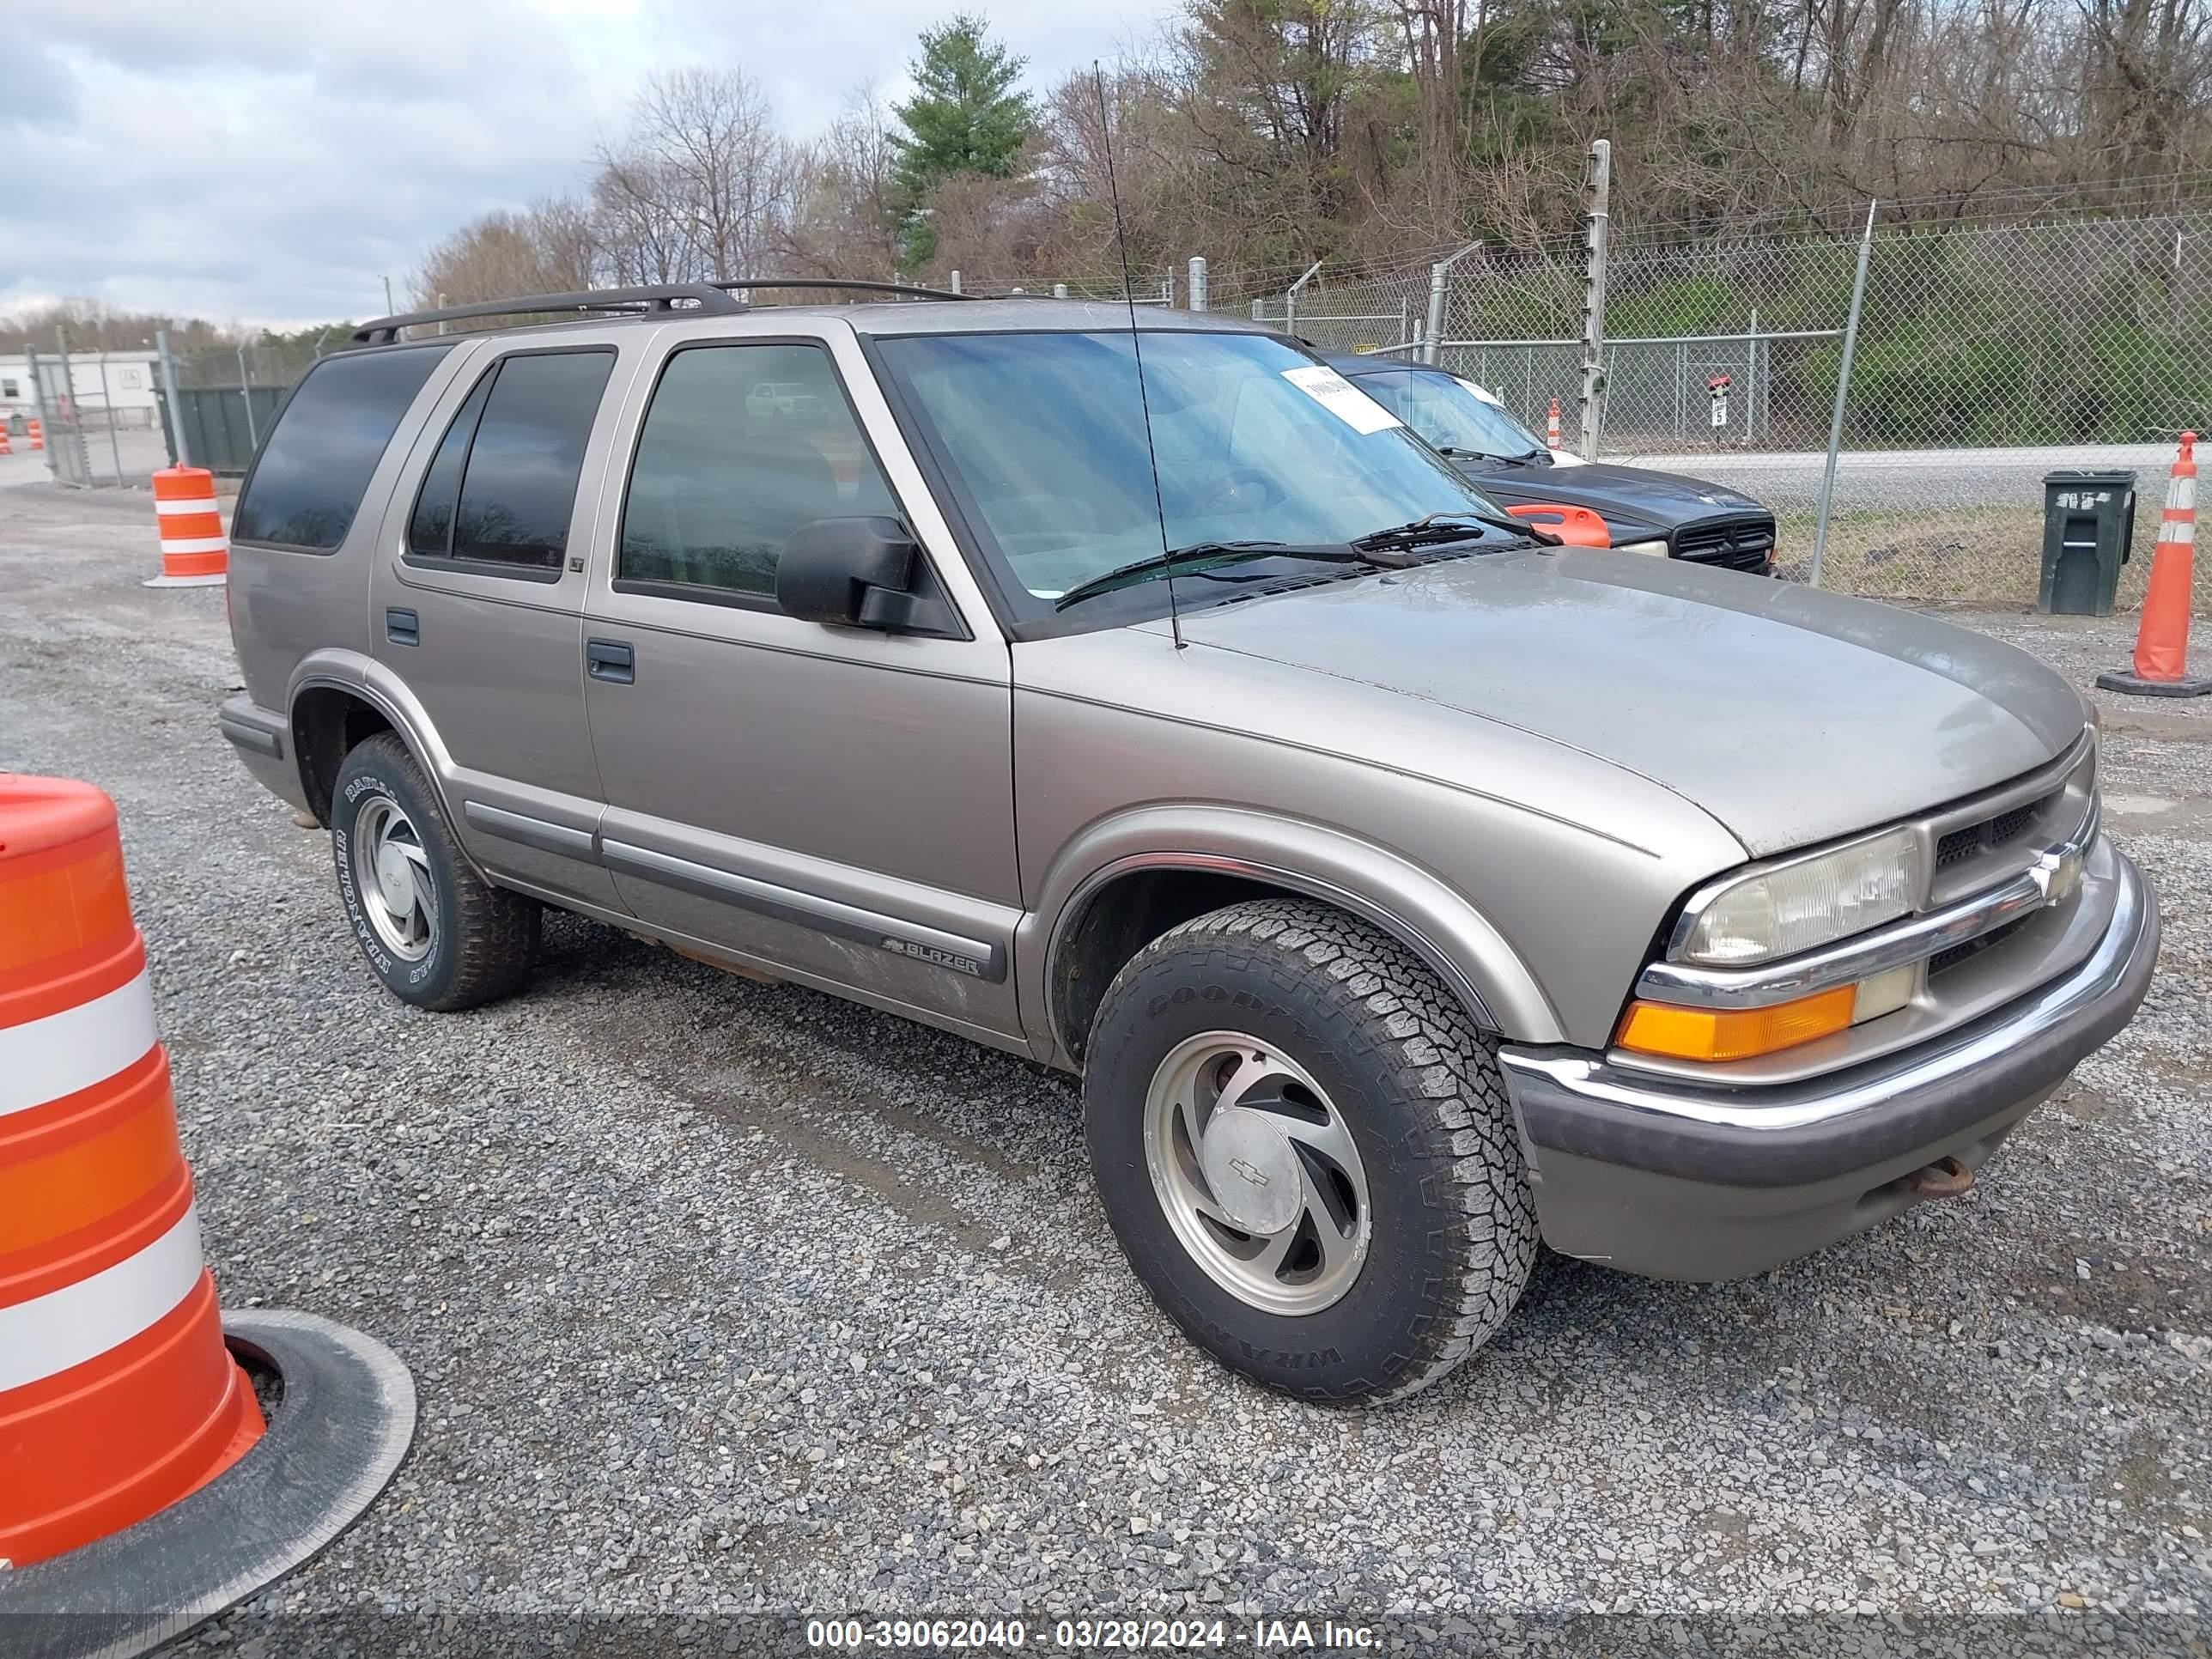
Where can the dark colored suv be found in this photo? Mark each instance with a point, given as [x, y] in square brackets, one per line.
[1663, 513]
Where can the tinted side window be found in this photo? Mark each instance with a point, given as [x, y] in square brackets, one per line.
[742, 445]
[514, 450]
[306, 483]
[430, 530]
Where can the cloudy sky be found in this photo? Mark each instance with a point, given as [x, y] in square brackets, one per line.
[269, 162]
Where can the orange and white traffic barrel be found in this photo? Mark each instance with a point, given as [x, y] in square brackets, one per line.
[37, 433]
[116, 1394]
[6, 447]
[1552, 426]
[141, 1490]
[195, 552]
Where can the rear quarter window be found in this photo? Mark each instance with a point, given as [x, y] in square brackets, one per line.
[306, 483]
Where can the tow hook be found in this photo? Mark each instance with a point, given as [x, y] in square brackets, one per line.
[1945, 1178]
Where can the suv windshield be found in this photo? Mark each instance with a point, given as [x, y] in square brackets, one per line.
[1450, 413]
[1044, 436]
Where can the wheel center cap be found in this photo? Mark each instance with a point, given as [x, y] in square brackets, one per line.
[392, 876]
[1253, 1172]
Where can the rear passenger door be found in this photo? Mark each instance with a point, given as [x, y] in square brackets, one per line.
[835, 803]
[479, 602]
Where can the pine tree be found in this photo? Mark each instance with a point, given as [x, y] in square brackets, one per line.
[966, 116]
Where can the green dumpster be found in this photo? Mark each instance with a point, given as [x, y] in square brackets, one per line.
[2088, 520]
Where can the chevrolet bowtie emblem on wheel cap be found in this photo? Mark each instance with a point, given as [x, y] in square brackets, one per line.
[1250, 1172]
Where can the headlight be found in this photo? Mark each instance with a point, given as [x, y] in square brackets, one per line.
[1813, 902]
[1656, 550]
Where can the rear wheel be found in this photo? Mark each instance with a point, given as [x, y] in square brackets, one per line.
[434, 932]
[1305, 1149]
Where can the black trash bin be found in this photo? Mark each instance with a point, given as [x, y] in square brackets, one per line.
[2088, 520]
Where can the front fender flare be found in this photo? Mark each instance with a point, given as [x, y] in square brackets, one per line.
[1427, 915]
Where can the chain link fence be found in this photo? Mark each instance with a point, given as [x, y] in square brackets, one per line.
[1986, 355]
[97, 413]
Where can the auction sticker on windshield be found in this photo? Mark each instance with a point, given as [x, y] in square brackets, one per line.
[1341, 399]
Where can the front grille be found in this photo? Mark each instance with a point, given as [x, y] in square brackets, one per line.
[1969, 839]
[1731, 543]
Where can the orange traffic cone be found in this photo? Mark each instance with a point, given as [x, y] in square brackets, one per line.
[1552, 426]
[37, 434]
[2162, 661]
[117, 1396]
[6, 448]
[141, 1489]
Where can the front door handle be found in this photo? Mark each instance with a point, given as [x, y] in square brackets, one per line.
[611, 661]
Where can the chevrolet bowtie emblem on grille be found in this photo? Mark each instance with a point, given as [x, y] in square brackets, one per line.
[1248, 1171]
[2059, 874]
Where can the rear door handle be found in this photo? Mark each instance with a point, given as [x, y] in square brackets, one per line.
[402, 627]
[611, 661]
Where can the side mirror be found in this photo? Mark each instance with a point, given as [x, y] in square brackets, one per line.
[851, 573]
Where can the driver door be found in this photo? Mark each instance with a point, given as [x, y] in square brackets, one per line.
[835, 804]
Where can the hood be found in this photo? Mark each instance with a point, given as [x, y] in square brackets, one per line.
[1633, 496]
[1788, 714]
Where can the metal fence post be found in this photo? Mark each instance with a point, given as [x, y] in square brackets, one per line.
[245, 392]
[956, 282]
[1432, 337]
[1751, 392]
[1433, 333]
[39, 400]
[1198, 282]
[180, 453]
[1592, 411]
[114, 444]
[1681, 379]
[1291, 299]
[71, 430]
[1843, 391]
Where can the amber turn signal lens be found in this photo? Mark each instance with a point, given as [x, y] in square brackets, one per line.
[1658, 1028]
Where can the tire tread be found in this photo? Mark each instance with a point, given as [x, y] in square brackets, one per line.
[497, 938]
[1438, 1055]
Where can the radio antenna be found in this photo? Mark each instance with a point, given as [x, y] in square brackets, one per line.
[1136, 342]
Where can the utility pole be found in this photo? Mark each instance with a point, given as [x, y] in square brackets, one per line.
[387, 296]
[1592, 408]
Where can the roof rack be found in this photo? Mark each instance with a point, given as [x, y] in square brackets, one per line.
[713, 298]
[659, 297]
[836, 283]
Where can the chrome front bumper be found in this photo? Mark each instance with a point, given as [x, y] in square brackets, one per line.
[1821, 1152]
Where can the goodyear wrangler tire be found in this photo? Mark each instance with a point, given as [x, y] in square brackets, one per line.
[434, 932]
[1304, 1146]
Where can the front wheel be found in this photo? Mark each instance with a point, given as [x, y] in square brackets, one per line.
[434, 932]
[1305, 1149]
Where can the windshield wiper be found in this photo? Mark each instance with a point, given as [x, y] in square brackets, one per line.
[1452, 525]
[1213, 554]
[1458, 451]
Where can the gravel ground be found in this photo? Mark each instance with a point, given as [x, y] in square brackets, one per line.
[726, 1299]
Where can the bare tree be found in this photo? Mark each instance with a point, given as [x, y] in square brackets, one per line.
[846, 223]
[701, 183]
